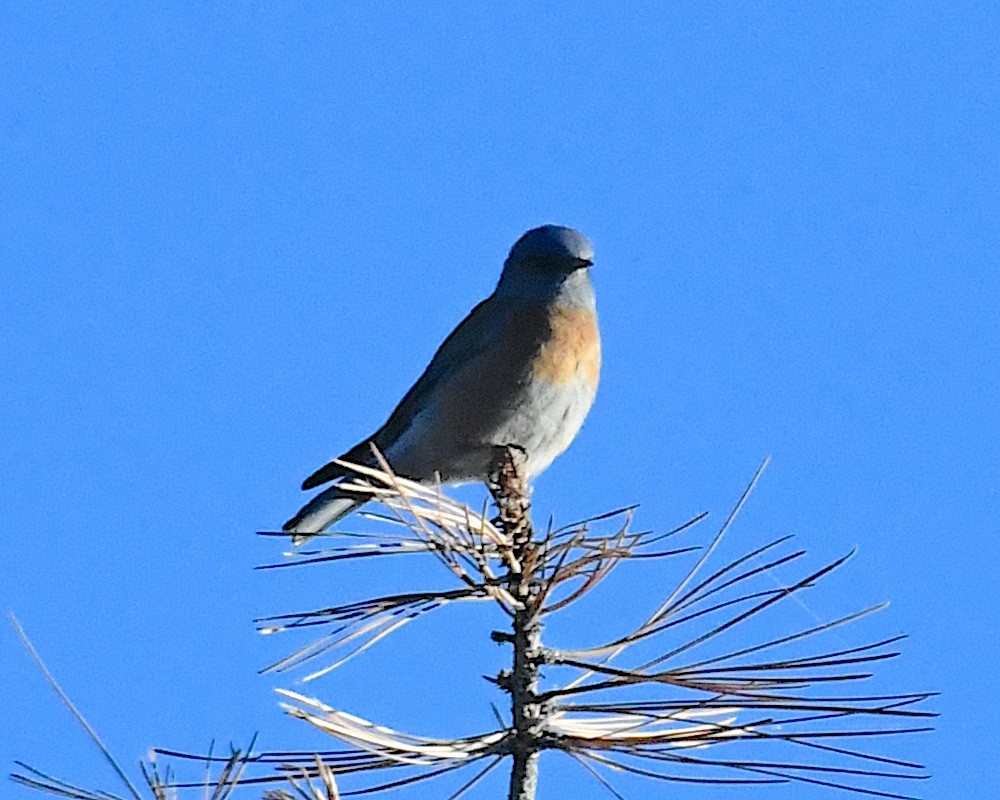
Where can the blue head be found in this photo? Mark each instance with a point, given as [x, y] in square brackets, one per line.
[552, 249]
[547, 262]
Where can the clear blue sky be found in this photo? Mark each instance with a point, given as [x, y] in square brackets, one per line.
[231, 237]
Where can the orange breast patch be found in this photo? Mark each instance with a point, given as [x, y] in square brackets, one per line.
[573, 347]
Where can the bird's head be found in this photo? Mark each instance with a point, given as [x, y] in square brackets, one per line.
[552, 249]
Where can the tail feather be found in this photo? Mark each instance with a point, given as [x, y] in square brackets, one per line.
[320, 513]
[361, 453]
[325, 474]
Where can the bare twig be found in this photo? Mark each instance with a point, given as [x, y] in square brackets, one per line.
[72, 709]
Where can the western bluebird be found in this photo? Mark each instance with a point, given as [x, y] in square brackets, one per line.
[521, 369]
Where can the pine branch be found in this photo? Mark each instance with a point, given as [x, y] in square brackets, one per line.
[713, 708]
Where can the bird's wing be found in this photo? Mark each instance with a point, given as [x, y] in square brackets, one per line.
[474, 335]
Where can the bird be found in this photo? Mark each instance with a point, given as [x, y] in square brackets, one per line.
[521, 369]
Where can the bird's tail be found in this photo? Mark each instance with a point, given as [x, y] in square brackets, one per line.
[320, 513]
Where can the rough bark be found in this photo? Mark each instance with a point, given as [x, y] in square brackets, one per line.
[510, 491]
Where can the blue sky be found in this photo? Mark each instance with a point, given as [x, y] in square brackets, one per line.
[233, 235]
